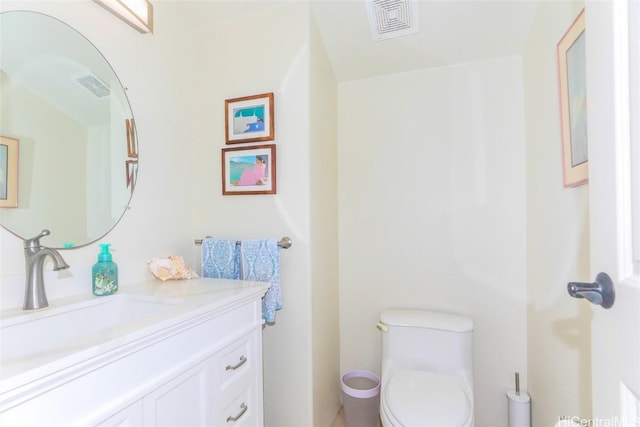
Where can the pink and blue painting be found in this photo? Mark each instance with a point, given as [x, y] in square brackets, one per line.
[249, 170]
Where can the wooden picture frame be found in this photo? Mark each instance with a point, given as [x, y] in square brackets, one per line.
[249, 170]
[9, 162]
[132, 142]
[131, 171]
[249, 119]
[573, 103]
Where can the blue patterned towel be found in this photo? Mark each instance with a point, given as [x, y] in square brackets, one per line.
[220, 258]
[261, 262]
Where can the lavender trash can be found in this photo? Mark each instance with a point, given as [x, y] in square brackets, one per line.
[361, 398]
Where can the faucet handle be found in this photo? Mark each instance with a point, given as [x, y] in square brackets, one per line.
[34, 242]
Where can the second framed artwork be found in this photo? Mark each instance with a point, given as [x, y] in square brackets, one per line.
[249, 170]
[571, 52]
[249, 119]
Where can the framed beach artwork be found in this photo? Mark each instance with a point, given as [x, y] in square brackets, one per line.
[249, 170]
[573, 103]
[249, 119]
[8, 172]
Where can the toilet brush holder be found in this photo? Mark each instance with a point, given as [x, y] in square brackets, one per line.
[519, 407]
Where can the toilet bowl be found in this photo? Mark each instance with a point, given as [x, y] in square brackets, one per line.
[426, 369]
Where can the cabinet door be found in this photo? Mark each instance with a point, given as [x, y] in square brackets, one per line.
[185, 400]
[130, 416]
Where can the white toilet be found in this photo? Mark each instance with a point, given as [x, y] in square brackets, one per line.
[427, 369]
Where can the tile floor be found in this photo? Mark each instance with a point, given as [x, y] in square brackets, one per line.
[338, 421]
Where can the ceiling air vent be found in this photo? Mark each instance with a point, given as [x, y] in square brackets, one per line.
[392, 18]
[93, 84]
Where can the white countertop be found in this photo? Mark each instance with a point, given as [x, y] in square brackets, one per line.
[72, 331]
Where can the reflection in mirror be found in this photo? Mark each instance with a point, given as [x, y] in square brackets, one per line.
[77, 157]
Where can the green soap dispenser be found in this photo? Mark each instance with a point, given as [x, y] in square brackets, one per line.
[104, 273]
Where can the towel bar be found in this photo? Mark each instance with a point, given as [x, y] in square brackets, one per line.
[284, 243]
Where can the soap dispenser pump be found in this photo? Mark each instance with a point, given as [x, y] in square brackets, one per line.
[105, 273]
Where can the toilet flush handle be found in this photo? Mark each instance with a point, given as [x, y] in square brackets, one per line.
[382, 327]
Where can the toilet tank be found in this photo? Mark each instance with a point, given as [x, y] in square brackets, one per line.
[426, 341]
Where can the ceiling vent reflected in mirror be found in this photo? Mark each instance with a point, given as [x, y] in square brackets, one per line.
[392, 18]
[137, 13]
[93, 84]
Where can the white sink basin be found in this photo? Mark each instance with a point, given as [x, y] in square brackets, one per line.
[55, 332]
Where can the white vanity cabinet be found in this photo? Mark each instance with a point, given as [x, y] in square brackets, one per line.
[187, 399]
[202, 366]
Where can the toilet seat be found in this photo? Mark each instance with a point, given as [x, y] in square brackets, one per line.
[418, 398]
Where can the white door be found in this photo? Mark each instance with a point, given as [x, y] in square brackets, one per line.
[614, 191]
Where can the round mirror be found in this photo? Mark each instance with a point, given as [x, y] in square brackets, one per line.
[68, 148]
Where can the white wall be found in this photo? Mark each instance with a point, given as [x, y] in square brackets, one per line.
[432, 213]
[324, 235]
[559, 327]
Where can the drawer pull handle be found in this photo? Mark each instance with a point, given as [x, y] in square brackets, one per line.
[243, 409]
[242, 361]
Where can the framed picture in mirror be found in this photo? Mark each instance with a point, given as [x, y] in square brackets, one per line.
[131, 170]
[132, 143]
[8, 172]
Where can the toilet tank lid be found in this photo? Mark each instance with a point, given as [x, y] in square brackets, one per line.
[427, 319]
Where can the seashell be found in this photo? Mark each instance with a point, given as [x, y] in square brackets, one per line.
[171, 268]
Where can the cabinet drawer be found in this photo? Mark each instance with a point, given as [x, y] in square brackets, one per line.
[236, 361]
[241, 409]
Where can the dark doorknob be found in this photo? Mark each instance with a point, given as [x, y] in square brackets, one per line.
[601, 292]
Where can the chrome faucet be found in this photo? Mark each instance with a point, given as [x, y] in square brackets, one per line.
[34, 255]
